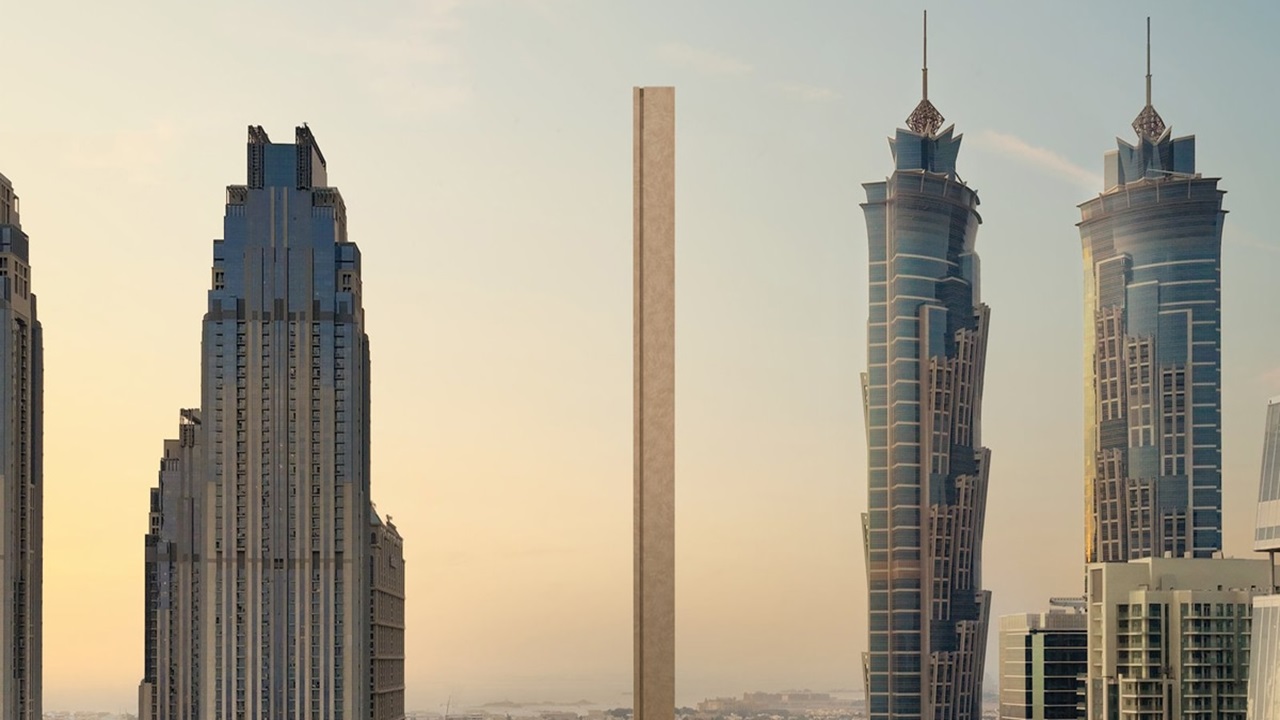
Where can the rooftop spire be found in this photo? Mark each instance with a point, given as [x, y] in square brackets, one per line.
[925, 119]
[924, 66]
[1149, 125]
[1148, 59]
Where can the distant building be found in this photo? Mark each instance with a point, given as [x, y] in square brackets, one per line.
[1169, 637]
[1042, 664]
[170, 681]
[1152, 249]
[387, 616]
[21, 471]
[1264, 666]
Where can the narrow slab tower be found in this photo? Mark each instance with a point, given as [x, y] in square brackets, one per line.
[655, 403]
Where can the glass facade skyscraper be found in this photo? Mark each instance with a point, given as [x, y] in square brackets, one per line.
[1267, 535]
[1153, 433]
[279, 618]
[21, 471]
[927, 469]
[1264, 670]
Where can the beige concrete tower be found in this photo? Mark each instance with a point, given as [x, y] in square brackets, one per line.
[655, 403]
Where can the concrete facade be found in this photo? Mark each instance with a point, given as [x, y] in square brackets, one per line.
[654, 344]
[171, 649]
[387, 615]
[1169, 638]
[21, 471]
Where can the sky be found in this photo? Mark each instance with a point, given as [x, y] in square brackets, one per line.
[484, 152]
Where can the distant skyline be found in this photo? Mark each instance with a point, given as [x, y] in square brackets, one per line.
[486, 162]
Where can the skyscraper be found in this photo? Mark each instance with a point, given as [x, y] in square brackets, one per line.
[927, 469]
[21, 471]
[387, 615]
[1264, 668]
[172, 617]
[654, 388]
[1153, 434]
[279, 517]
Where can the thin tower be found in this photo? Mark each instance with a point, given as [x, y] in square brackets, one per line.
[655, 395]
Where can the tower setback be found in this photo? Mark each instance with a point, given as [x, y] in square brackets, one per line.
[281, 526]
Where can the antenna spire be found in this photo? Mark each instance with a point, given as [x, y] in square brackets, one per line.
[925, 119]
[1148, 59]
[1149, 124]
[924, 69]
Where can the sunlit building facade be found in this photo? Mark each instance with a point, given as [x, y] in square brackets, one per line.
[1152, 245]
[21, 471]
[1169, 638]
[282, 583]
[927, 469]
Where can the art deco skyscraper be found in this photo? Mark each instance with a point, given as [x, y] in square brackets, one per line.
[21, 471]
[275, 614]
[927, 469]
[1153, 433]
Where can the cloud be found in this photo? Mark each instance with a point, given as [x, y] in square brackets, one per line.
[702, 61]
[1043, 158]
[810, 93]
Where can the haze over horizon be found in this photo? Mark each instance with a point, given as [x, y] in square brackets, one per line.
[484, 152]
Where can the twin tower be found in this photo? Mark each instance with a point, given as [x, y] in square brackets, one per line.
[1153, 456]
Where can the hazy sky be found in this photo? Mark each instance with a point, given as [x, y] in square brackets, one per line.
[484, 151]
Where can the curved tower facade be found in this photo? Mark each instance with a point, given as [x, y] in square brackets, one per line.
[927, 469]
[1152, 245]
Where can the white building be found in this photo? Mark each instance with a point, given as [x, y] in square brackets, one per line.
[1169, 637]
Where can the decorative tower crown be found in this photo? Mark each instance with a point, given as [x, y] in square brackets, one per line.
[925, 119]
[1149, 125]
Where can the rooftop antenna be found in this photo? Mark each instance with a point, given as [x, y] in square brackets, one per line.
[924, 69]
[1149, 125]
[1148, 59]
[925, 119]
